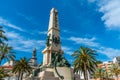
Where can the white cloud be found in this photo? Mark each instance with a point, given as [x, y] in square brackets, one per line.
[111, 11]
[67, 50]
[12, 35]
[86, 41]
[8, 24]
[20, 43]
[91, 42]
[42, 32]
[110, 52]
[26, 17]
[31, 19]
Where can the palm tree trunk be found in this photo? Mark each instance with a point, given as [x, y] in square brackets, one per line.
[79, 74]
[18, 75]
[21, 75]
[85, 72]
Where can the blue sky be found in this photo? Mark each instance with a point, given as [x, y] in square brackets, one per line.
[91, 23]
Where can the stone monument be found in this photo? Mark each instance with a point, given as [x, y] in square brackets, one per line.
[53, 43]
[55, 66]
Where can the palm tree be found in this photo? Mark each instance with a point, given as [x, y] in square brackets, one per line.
[99, 73]
[2, 36]
[2, 73]
[115, 70]
[6, 52]
[85, 60]
[21, 66]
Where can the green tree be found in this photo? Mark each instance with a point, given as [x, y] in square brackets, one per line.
[85, 61]
[6, 52]
[21, 66]
[115, 70]
[2, 73]
[2, 36]
[99, 73]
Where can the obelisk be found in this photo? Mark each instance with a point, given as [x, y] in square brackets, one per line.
[53, 43]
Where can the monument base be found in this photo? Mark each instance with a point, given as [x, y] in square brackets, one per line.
[50, 74]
